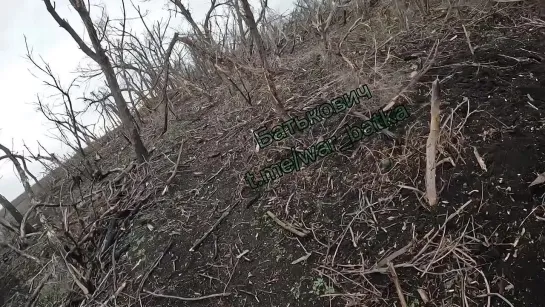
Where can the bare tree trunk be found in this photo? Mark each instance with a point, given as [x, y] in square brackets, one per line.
[100, 57]
[124, 113]
[24, 180]
[252, 25]
[240, 23]
[14, 212]
[19, 168]
[185, 12]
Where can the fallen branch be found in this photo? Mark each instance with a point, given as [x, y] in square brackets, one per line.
[498, 295]
[32, 300]
[287, 226]
[429, 62]
[394, 255]
[174, 171]
[431, 144]
[153, 266]
[479, 158]
[189, 298]
[423, 295]
[468, 41]
[223, 216]
[8, 225]
[124, 172]
[398, 286]
[116, 294]
[19, 252]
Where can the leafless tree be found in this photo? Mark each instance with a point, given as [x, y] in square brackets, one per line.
[23, 161]
[24, 179]
[4, 202]
[65, 121]
[252, 25]
[98, 55]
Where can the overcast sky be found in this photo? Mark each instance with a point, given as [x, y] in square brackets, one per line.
[19, 120]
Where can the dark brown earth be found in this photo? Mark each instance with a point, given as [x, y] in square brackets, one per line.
[507, 66]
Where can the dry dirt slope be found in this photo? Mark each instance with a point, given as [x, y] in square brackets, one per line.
[492, 246]
[497, 235]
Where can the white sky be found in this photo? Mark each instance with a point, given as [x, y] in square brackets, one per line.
[19, 121]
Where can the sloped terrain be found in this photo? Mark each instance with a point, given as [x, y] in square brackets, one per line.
[362, 211]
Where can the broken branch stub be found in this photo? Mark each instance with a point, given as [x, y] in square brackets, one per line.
[431, 146]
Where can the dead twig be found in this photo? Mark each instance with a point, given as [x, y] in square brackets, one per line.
[19, 252]
[188, 298]
[479, 158]
[148, 273]
[9, 226]
[116, 294]
[32, 300]
[414, 80]
[394, 255]
[468, 41]
[398, 286]
[287, 226]
[223, 216]
[175, 170]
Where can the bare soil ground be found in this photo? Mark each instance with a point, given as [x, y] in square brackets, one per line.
[484, 245]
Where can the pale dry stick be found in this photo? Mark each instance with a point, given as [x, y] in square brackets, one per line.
[206, 234]
[398, 286]
[450, 117]
[188, 298]
[394, 255]
[524, 220]
[215, 175]
[231, 275]
[451, 250]
[286, 209]
[479, 158]
[287, 226]
[19, 252]
[450, 217]
[431, 146]
[71, 271]
[411, 188]
[457, 212]
[353, 237]
[152, 268]
[429, 240]
[423, 295]
[175, 170]
[32, 300]
[463, 291]
[370, 206]
[460, 126]
[31, 281]
[375, 290]
[489, 300]
[354, 25]
[429, 62]
[468, 41]
[9, 226]
[434, 254]
[498, 295]
[301, 259]
[344, 233]
[114, 295]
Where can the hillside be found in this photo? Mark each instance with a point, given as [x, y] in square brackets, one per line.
[350, 226]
